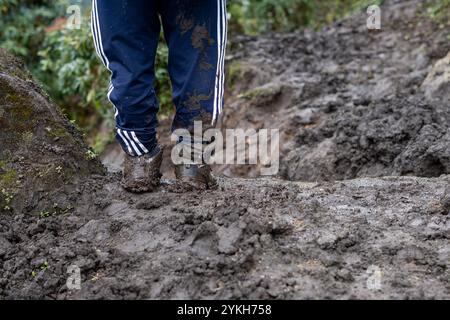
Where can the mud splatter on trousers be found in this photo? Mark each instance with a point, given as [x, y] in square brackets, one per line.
[126, 36]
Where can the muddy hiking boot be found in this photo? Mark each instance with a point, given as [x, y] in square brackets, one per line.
[142, 174]
[194, 177]
[195, 174]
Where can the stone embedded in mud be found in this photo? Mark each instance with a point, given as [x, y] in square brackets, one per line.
[41, 154]
[306, 116]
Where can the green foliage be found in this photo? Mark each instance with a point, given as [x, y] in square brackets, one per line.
[440, 10]
[73, 74]
[260, 16]
[163, 86]
[22, 25]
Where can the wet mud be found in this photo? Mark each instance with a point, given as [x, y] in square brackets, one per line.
[362, 115]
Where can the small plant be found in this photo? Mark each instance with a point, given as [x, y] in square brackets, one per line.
[44, 214]
[66, 210]
[56, 210]
[44, 266]
[91, 155]
[7, 198]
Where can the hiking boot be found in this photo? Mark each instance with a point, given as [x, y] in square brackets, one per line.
[194, 177]
[142, 174]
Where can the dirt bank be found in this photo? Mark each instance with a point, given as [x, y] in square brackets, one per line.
[348, 102]
[43, 158]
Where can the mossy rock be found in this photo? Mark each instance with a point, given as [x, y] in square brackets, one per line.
[42, 155]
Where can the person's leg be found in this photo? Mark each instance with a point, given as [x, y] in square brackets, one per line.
[196, 32]
[126, 34]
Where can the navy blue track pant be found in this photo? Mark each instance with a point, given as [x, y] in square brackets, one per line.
[126, 35]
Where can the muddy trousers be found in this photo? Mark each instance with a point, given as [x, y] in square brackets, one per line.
[126, 35]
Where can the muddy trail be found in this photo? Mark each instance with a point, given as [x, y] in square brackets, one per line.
[359, 210]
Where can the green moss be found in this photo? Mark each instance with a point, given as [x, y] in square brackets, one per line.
[23, 75]
[59, 135]
[21, 110]
[17, 100]
[235, 73]
[58, 132]
[101, 140]
[439, 11]
[56, 210]
[261, 92]
[27, 138]
[17, 111]
[90, 155]
[8, 179]
[8, 189]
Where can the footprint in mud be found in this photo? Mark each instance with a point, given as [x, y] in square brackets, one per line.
[205, 242]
